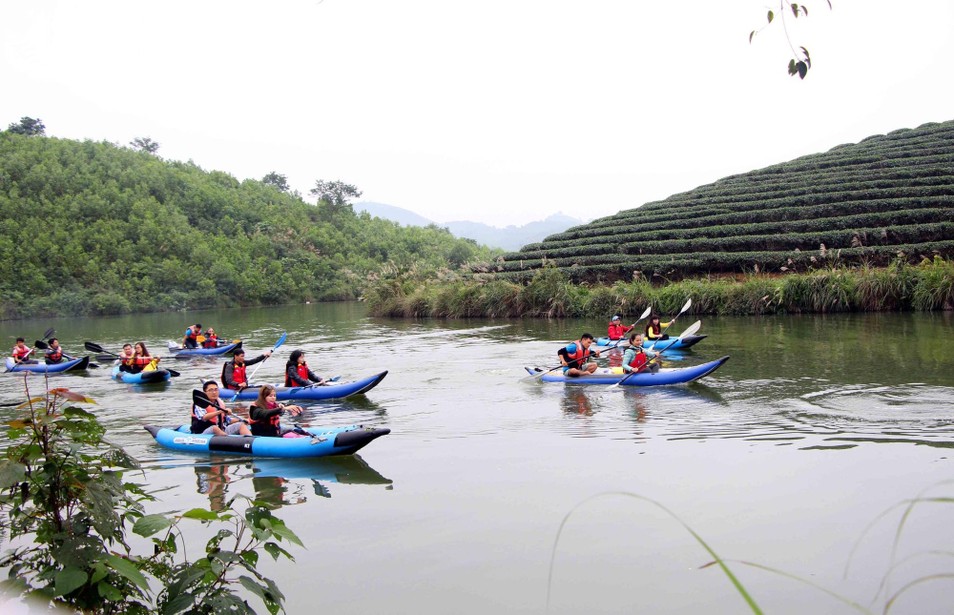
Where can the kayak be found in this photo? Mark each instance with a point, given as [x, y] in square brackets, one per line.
[676, 344]
[152, 376]
[74, 365]
[324, 441]
[335, 390]
[203, 352]
[672, 375]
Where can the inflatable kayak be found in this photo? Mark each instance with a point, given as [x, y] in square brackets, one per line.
[156, 375]
[680, 344]
[674, 375]
[324, 441]
[74, 365]
[203, 352]
[335, 390]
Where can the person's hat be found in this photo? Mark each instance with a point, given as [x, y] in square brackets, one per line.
[615, 317]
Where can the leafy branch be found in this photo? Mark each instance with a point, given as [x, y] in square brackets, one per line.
[801, 60]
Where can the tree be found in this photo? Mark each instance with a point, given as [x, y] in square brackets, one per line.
[144, 144]
[276, 179]
[334, 196]
[801, 61]
[28, 127]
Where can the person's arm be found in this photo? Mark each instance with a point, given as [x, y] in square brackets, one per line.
[314, 377]
[257, 359]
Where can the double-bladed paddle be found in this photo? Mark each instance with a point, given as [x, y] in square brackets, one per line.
[277, 345]
[690, 330]
[94, 347]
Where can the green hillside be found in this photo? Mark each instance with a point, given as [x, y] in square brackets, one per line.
[864, 203]
[93, 228]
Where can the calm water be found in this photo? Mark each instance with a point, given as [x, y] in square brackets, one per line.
[797, 455]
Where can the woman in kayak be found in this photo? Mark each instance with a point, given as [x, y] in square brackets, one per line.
[635, 359]
[216, 418]
[297, 373]
[141, 357]
[654, 330]
[266, 414]
[211, 339]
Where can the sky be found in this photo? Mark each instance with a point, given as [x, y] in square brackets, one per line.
[501, 111]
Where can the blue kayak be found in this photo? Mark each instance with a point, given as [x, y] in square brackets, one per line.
[74, 365]
[152, 376]
[324, 441]
[673, 375]
[204, 352]
[676, 344]
[335, 390]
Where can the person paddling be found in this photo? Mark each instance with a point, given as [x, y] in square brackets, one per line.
[654, 330]
[54, 353]
[216, 418]
[21, 352]
[635, 359]
[211, 339]
[297, 373]
[266, 414]
[191, 337]
[233, 372]
[574, 356]
[616, 329]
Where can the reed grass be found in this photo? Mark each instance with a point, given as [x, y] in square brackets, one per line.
[926, 286]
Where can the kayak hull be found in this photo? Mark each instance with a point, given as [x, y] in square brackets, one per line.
[673, 344]
[206, 352]
[665, 376]
[66, 366]
[315, 393]
[150, 377]
[325, 441]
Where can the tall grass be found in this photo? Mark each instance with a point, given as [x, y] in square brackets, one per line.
[550, 293]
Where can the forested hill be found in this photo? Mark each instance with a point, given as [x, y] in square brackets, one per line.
[871, 202]
[96, 228]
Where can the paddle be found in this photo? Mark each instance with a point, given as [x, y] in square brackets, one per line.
[690, 330]
[681, 312]
[94, 347]
[280, 341]
[49, 333]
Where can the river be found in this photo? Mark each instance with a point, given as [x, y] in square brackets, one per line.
[497, 495]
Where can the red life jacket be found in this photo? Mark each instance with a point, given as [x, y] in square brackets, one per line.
[20, 353]
[654, 332]
[191, 334]
[55, 356]
[302, 370]
[140, 361]
[639, 361]
[578, 358]
[211, 341]
[238, 374]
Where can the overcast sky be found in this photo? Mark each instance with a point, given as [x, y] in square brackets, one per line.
[499, 111]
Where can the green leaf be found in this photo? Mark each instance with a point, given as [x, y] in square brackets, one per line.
[751, 35]
[250, 557]
[109, 592]
[68, 580]
[11, 473]
[771, 16]
[274, 550]
[129, 570]
[201, 513]
[281, 531]
[151, 524]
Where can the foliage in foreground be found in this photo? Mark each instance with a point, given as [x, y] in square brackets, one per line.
[926, 286]
[67, 510]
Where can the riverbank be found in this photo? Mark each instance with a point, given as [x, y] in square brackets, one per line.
[926, 286]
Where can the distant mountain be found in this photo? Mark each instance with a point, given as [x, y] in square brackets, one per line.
[508, 238]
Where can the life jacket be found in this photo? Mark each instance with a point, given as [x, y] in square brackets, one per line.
[211, 341]
[191, 335]
[141, 361]
[616, 331]
[128, 361]
[238, 374]
[578, 358]
[302, 370]
[20, 353]
[54, 356]
[639, 361]
[654, 332]
[198, 425]
[271, 426]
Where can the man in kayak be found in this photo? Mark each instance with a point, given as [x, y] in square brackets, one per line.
[574, 356]
[616, 329]
[21, 352]
[233, 372]
[635, 359]
[191, 337]
[216, 418]
[297, 373]
[55, 354]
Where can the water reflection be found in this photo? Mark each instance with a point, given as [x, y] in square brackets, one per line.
[283, 482]
[576, 401]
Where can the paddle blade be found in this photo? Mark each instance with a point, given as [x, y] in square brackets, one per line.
[200, 399]
[172, 372]
[280, 341]
[90, 346]
[49, 333]
[41, 344]
[685, 307]
[649, 310]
